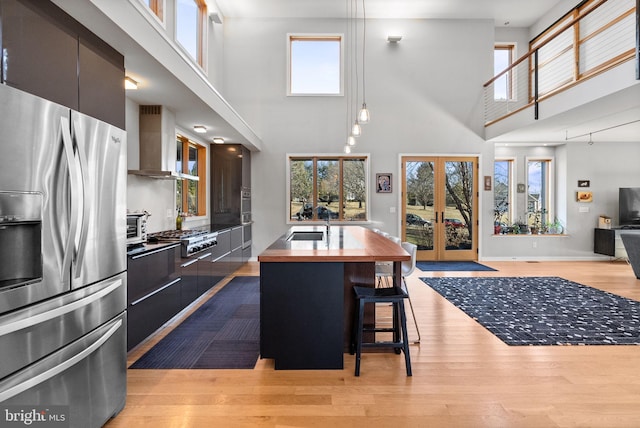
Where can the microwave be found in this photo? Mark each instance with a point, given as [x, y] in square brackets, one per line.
[136, 228]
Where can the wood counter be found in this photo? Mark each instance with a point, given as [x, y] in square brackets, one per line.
[306, 296]
[344, 244]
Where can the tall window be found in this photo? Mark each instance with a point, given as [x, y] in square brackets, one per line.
[503, 183]
[539, 189]
[328, 187]
[190, 27]
[156, 6]
[314, 64]
[191, 167]
[502, 58]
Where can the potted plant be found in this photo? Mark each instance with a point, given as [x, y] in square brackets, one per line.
[498, 216]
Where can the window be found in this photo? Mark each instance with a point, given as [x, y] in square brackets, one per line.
[314, 65]
[539, 190]
[190, 27]
[190, 187]
[502, 193]
[328, 187]
[502, 58]
[156, 6]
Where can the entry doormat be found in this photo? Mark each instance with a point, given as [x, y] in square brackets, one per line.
[223, 333]
[543, 310]
[428, 266]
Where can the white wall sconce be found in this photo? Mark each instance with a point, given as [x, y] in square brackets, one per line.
[129, 83]
[394, 39]
[215, 17]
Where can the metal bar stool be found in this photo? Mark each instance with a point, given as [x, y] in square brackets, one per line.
[395, 296]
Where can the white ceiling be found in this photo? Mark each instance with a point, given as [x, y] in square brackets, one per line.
[519, 13]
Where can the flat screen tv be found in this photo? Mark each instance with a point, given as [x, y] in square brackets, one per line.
[629, 206]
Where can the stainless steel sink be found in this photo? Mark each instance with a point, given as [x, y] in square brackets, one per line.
[306, 236]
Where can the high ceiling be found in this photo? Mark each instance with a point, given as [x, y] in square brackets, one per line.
[518, 13]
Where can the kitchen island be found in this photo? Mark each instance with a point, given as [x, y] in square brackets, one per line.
[306, 296]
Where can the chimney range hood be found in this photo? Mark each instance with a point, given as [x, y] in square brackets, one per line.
[157, 143]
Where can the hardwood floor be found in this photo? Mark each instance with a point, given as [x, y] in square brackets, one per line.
[463, 376]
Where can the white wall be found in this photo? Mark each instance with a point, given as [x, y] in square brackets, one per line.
[608, 166]
[424, 94]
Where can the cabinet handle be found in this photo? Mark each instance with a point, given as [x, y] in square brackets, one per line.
[205, 256]
[189, 263]
[175, 281]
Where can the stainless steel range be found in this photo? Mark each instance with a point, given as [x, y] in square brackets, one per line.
[191, 241]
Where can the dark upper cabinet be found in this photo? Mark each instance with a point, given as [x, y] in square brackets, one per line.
[49, 54]
[229, 173]
[246, 168]
[101, 81]
[40, 54]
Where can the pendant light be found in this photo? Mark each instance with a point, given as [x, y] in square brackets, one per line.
[364, 116]
[356, 130]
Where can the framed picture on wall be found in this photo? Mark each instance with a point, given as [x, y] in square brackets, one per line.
[383, 182]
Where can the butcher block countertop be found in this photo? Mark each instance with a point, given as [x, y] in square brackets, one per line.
[343, 244]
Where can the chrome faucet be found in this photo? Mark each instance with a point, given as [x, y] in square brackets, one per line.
[328, 224]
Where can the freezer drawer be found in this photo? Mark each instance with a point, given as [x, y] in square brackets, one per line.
[88, 376]
[33, 332]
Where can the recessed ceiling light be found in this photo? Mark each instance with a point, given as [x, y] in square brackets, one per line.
[218, 140]
[200, 129]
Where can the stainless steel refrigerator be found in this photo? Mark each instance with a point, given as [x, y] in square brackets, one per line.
[62, 262]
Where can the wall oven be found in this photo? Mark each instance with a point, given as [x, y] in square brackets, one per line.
[245, 205]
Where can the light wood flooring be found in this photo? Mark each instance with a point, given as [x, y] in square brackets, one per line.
[463, 376]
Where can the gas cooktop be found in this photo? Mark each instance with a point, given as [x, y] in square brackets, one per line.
[176, 235]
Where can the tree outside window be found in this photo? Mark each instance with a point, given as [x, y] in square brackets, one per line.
[333, 188]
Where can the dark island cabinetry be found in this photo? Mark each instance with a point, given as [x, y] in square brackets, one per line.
[154, 291]
[49, 54]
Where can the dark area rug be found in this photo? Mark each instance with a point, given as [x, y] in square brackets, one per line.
[223, 333]
[429, 266]
[544, 310]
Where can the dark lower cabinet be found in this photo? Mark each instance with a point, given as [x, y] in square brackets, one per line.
[189, 272]
[154, 288]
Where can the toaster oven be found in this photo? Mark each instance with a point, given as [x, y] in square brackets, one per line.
[136, 228]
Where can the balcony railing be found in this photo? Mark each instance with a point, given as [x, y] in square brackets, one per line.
[594, 37]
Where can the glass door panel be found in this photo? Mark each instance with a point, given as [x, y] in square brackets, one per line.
[440, 207]
[419, 217]
[459, 209]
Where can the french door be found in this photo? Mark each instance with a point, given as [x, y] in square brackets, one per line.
[440, 198]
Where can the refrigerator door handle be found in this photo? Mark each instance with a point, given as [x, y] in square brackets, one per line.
[65, 365]
[65, 135]
[30, 321]
[81, 243]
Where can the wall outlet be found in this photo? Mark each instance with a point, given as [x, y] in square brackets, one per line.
[169, 213]
[535, 244]
[392, 210]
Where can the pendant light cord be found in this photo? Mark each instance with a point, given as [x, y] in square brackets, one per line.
[364, 46]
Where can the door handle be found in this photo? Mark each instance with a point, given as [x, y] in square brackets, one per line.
[83, 177]
[65, 136]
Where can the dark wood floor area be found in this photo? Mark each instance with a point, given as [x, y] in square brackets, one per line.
[463, 376]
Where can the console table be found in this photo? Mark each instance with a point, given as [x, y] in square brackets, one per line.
[609, 242]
